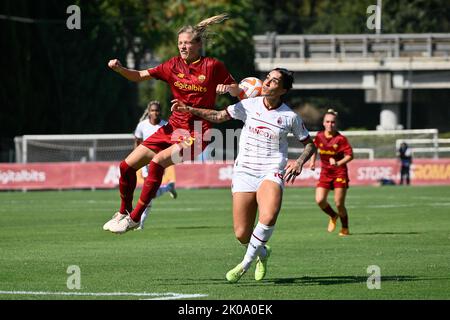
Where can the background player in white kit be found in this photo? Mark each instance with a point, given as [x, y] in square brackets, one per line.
[148, 124]
[261, 167]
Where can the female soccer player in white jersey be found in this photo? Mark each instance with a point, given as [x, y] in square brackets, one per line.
[261, 167]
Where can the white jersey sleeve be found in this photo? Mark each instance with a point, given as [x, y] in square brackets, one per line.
[299, 129]
[237, 111]
[139, 132]
[145, 129]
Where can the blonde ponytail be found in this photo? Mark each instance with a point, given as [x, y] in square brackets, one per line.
[199, 30]
[332, 111]
[151, 103]
[144, 115]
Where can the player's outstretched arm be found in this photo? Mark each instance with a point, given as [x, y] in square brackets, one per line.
[309, 151]
[294, 168]
[312, 161]
[207, 114]
[232, 89]
[130, 74]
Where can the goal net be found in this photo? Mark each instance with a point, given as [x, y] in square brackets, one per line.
[77, 147]
[376, 144]
[371, 144]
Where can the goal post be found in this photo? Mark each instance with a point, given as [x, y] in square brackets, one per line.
[379, 144]
[369, 144]
[73, 147]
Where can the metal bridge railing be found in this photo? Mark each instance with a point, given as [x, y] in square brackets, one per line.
[272, 45]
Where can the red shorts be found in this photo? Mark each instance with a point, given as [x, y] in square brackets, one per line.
[167, 136]
[330, 182]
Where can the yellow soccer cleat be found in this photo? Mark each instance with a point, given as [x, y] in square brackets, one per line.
[344, 232]
[235, 274]
[332, 224]
[172, 192]
[261, 265]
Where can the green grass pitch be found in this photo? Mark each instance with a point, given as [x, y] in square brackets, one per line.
[188, 245]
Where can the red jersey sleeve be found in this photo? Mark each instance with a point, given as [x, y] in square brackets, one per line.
[221, 74]
[346, 147]
[316, 143]
[162, 71]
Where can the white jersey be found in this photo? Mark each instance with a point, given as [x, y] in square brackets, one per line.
[263, 146]
[145, 129]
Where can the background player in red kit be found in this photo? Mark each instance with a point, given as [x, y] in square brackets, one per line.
[335, 152]
[193, 79]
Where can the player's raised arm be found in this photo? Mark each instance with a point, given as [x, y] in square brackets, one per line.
[130, 74]
[215, 116]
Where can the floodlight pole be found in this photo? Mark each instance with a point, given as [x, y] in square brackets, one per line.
[409, 105]
[378, 17]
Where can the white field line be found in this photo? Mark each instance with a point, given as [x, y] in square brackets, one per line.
[436, 204]
[180, 296]
[158, 296]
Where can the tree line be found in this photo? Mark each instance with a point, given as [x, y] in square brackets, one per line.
[56, 81]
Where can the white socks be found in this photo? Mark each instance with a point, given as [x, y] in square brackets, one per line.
[261, 234]
[160, 192]
[145, 215]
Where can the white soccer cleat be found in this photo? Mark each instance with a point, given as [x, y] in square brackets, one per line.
[115, 218]
[124, 225]
[172, 191]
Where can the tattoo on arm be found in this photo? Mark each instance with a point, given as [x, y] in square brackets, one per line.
[314, 156]
[309, 150]
[215, 116]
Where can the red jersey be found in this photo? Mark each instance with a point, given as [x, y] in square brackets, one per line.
[194, 84]
[334, 147]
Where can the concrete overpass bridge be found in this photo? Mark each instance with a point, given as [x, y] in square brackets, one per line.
[387, 67]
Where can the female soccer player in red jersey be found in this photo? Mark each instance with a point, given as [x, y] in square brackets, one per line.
[335, 152]
[193, 79]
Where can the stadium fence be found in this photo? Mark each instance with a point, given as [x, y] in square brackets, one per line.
[370, 144]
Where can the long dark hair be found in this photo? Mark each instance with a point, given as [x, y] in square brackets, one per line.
[287, 77]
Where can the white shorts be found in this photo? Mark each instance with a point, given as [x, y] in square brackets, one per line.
[246, 182]
[144, 171]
